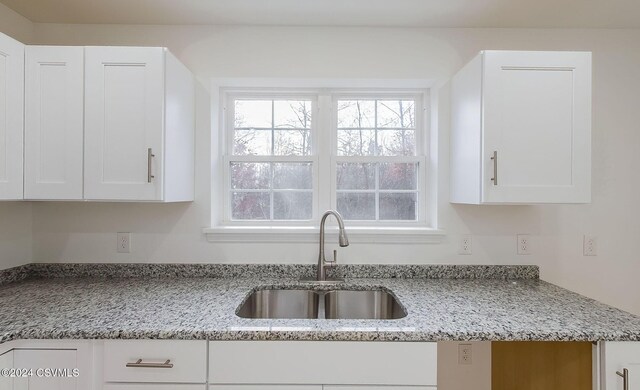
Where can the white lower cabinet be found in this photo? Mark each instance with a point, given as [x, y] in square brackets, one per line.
[6, 361]
[265, 387]
[378, 387]
[40, 360]
[154, 386]
[323, 362]
[620, 364]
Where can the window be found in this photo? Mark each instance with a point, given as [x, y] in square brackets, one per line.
[270, 166]
[288, 156]
[377, 167]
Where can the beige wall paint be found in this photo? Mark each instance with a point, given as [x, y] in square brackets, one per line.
[84, 232]
[15, 217]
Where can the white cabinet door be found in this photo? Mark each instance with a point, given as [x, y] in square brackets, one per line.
[54, 107]
[378, 387]
[42, 359]
[521, 128]
[124, 120]
[11, 117]
[537, 120]
[616, 357]
[6, 361]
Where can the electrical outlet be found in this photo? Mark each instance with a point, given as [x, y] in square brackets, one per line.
[465, 245]
[124, 242]
[589, 246]
[524, 244]
[465, 354]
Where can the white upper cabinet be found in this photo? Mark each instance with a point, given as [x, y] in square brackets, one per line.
[11, 117]
[521, 128]
[139, 125]
[54, 106]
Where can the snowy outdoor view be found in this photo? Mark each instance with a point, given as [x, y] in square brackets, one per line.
[373, 183]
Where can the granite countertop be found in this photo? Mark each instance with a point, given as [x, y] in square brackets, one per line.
[50, 307]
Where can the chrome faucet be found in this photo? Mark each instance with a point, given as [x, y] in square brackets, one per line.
[323, 263]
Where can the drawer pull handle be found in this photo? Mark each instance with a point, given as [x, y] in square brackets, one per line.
[625, 378]
[140, 364]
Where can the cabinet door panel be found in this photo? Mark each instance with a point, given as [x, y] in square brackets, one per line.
[124, 119]
[537, 119]
[54, 106]
[42, 359]
[11, 117]
[378, 387]
[616, 356]
[6, 361]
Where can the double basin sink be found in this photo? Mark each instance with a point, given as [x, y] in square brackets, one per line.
[312, 304]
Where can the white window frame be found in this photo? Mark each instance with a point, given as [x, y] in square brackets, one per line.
[223, 229]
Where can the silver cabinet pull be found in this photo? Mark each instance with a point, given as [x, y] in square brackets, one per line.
[625, 378]
[150, 155]
[494, 179]
[140, 364]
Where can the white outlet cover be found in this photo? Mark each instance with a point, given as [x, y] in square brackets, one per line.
[524, 244]
[465, 246]
[123, 242]
[589, 245]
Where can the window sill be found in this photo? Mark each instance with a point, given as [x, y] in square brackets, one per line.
[304, 234]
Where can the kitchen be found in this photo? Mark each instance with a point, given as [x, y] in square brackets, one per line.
[412, 50]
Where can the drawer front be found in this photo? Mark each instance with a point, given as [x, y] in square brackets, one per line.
[324, 362]
[265, 387]
[127, 386]
[188, 360]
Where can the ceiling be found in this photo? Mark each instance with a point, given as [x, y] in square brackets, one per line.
[414, 13]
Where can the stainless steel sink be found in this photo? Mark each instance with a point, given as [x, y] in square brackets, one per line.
[310, 304]
[280, 304]
[378, 305]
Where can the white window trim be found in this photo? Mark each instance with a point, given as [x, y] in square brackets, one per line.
[419, 232]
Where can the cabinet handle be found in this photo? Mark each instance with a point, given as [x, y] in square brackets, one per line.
[625, 378]
[140, 364]
[150, 155]
[494, 179]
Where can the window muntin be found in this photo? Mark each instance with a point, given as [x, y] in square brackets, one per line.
[271, 167]
[377, 181]
[376, 167]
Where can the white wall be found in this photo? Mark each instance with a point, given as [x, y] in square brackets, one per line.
[15, 217]
[78, 232]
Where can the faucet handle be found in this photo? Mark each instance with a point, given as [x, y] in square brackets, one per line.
[332, 263]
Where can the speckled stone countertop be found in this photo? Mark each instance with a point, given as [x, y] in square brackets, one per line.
[204, 308]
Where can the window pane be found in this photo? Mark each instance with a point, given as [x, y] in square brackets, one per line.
[253, 176]
[398, 206]
[253, 113]
[292, 176]
[357, 206]
[396, 114]
[250, 205]
[292, 142]
[292, 205]
[356, 113]
[357, 142]
[397, 142]
[356, 176]
[398, 176]
[293, 114]
[252, 142]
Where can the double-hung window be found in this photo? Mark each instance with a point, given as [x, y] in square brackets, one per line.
[288, 156]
